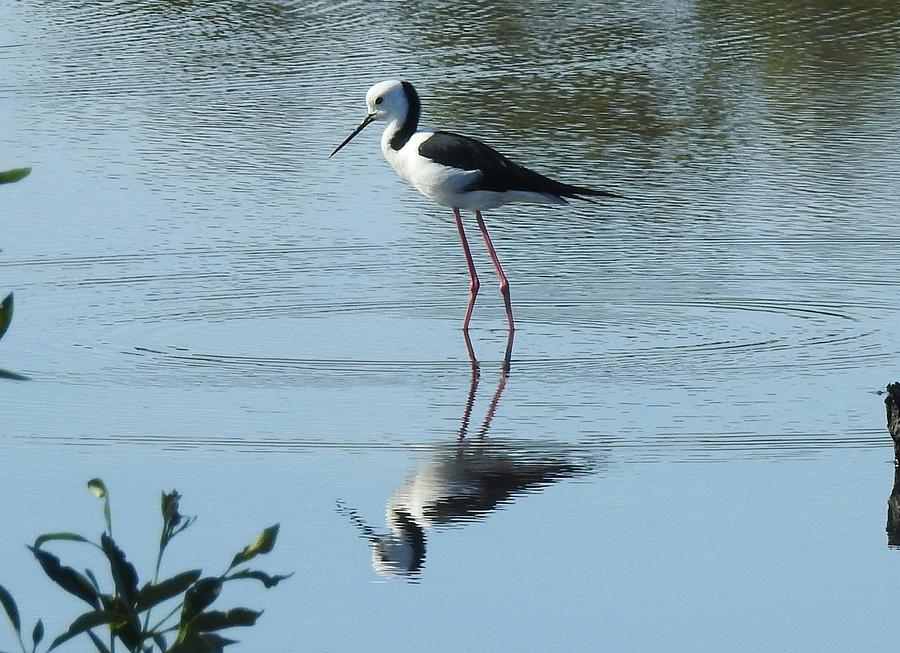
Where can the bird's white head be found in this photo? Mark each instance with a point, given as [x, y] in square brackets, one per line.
[388, 100]
[391, 100]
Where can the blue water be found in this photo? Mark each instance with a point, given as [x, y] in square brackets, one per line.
[689, 450]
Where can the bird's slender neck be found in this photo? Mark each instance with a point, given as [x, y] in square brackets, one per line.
[403, 129]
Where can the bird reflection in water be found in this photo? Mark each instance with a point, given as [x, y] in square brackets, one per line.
[463, 482]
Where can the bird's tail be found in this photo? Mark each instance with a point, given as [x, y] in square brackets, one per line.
[578, 193]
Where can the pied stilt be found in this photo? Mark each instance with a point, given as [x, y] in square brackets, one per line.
[458, 172]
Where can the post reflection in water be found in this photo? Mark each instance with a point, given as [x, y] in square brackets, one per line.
[892, 403]
[464, 481]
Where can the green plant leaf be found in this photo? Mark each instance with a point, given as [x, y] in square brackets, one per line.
[103, 648]
[123, 572]
[66, 577]
[217, 620]
[263, 543]
[264, 578]
[6, 313]
[38, 633]
[85, 622]
[15, 174]
[12, 610]
[153, 594]
[198, 598]
[93, 579]
[202, 643]
[52, 537]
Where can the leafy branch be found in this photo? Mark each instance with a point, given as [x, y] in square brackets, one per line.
[16, 174]
[125, 609]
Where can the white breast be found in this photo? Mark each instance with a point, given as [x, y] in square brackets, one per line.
[441, 184]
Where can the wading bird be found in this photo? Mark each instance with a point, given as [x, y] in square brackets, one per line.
[458, 172]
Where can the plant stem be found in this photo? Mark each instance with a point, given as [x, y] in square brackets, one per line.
[163, 620]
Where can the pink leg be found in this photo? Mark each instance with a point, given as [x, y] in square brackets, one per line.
[473, 276]
[504, 284]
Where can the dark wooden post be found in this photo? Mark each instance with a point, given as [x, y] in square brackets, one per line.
[892, 403]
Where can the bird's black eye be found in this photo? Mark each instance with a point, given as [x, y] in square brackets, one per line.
[379, 100]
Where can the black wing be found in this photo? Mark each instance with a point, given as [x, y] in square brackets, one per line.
[498, 173]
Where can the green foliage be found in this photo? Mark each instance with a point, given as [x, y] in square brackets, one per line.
[9, 176]
[6, 312]
[262, 544]
[73, 582]
[125, 609]
[6, 306]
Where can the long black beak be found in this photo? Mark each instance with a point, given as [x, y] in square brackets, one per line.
[369, 118]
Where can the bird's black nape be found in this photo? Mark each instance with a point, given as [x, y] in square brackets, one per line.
[413, 113]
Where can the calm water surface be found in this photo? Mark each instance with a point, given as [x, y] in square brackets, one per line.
[689, 450]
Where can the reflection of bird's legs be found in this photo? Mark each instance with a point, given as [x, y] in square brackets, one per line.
[486, 424]
[501, 384]
[473, 387]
